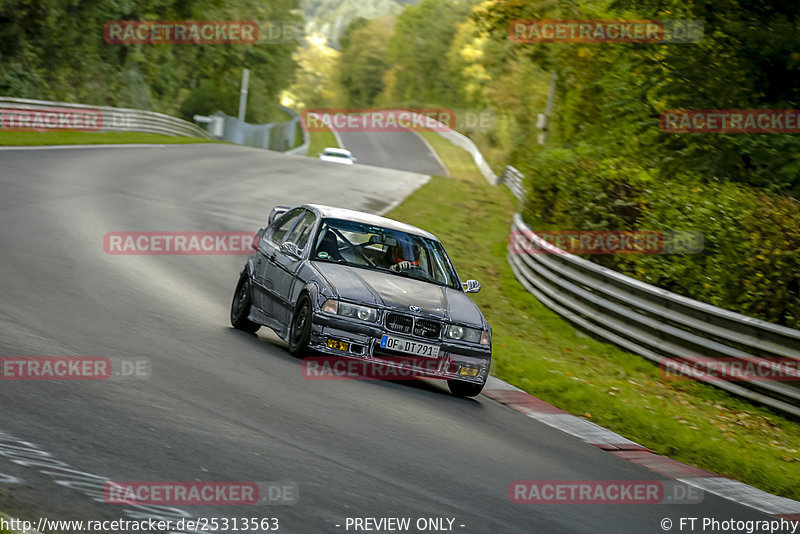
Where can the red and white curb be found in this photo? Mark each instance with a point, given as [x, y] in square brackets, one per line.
[605, 439]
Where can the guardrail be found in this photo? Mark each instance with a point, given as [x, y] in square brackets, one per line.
[514, 180]
[301, 150]
[462, 141]
[277, 136]
[113, 119]
[662, 326]
[466, 143]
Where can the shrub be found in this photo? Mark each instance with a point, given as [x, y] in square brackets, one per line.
[751, 257]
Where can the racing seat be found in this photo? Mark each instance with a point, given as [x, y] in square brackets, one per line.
[330, 245]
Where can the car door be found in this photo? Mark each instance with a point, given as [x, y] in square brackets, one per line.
[285, 266]
[268, 247]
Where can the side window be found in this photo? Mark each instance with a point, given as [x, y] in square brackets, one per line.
[283, 226]
[302, 231]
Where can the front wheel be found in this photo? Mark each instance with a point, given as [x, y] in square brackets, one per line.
[240, 307]
[460, 388]
[300, 331]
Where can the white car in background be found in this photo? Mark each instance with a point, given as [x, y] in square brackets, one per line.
[337, 155]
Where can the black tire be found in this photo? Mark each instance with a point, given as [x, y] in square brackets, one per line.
[240, 307]
[460, 388]
[300, 329]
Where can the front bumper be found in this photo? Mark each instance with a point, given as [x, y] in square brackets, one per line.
[453, 361]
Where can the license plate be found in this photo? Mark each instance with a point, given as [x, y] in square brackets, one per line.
[338, 345]
[410, 347]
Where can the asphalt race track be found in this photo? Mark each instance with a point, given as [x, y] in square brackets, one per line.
[393, 150]
[225, 406]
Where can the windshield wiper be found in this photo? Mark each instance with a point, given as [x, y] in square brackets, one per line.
[331, 260]
[405, 274]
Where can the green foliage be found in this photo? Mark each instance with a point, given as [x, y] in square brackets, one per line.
[332, 17]
[320, 140]
[612, 94]
[418, 52]
[615, 168]
[363, 60]
[315, 80]
[54, 50]
[586, 189]
[751, 257]
[208, 95]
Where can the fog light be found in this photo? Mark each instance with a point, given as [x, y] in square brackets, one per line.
[468, 371]
[338, 345]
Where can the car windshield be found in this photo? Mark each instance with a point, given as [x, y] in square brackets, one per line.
[342, 155]
[384, 249]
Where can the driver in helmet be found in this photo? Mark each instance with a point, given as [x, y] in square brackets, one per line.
[403, 256]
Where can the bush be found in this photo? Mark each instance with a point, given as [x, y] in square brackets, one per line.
[751, 257]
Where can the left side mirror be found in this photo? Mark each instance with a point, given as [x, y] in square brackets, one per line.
[471, 286]
[290, 249]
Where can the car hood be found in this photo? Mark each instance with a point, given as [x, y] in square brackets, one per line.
[393, 291]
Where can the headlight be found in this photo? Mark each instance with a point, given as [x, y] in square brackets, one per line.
[345, 309]
[464, 333]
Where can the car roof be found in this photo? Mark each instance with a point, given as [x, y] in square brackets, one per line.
[337, 151]
[332, 212]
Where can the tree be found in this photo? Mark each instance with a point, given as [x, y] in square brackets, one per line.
[55, 50]
[363, 61]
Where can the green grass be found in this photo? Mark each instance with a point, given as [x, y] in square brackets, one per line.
[90, 138]
[298, 136]
[319, 141]
[539, 352]
[456, 159]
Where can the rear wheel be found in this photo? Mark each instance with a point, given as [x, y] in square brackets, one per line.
[300, 331]
[240, 307]
[464, 389]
